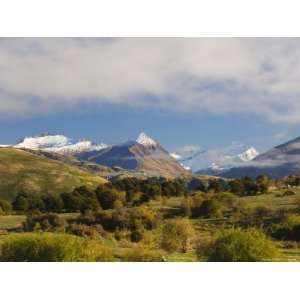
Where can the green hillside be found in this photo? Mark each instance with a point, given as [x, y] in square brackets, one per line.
[23, 170]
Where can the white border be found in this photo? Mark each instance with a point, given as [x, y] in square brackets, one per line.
[149, 281]
[149, 18]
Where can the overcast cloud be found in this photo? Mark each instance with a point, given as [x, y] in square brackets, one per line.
[210, 75]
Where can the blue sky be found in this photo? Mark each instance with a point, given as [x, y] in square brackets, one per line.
[181, 91]
[113, 124]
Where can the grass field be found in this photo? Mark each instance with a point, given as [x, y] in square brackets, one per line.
[204, 227]
[10, 222]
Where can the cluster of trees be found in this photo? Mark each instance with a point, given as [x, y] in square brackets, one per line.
[249, 187]
[127, 192]
[134, 221]
[292, 180]
[143, 190]
[210, 205]
[242, 186]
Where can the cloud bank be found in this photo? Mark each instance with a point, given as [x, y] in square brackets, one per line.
[208, 75]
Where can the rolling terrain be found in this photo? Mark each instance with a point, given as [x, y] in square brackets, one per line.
[23, 170]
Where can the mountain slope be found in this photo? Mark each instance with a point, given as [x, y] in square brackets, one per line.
[23, 170]
[143, 155]
[277, 162]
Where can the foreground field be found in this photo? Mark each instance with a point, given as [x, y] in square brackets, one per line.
[205, 227]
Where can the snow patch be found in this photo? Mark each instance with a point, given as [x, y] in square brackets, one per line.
[248, 155]
[145, 140]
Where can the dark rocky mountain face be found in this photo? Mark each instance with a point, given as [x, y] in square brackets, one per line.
[151, 159]
[278, 162]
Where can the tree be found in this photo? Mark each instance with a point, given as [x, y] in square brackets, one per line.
[71, 203]
[236, 187]
[264, 183]
[107, 197]
[211, 208]
[44, 222]
[53, 203]
[237, 245]
[177, 235]
[21, 202]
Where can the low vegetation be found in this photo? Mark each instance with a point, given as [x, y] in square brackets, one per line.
[155, 219]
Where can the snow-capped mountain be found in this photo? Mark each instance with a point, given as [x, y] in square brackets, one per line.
[278, 162]
[58, 143]
[216, 160]
[143, 155]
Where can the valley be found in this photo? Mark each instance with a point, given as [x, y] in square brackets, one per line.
[135, 201]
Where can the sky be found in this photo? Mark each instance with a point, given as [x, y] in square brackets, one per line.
[181, 91]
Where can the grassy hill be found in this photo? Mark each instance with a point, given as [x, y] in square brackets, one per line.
[23, 170]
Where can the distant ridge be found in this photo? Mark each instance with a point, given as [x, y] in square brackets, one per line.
[278, 162]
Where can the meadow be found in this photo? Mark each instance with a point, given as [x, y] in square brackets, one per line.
[121, 247]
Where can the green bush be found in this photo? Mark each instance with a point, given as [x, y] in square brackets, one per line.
[237, 245]
[177, 235]
[211, 208]
[49, 247]
[289, 229]
[92, 231]
[5, 206]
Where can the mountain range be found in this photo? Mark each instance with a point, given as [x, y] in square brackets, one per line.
[143, 155]
[278, 162]
[215, 161]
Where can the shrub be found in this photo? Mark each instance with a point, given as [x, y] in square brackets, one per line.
[289, 229]
[93, 231]
[289, 193]
[49, 247]
[5, 206]
[177, 235]
[236, 245]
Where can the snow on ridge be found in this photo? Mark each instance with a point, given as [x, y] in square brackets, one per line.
[198, 158]
[58, 143]
[175, 156]
[45, 141]
[145, 140]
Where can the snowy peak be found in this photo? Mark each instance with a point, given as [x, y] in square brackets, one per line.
[59, 144]
[248, 155]
[145, 140]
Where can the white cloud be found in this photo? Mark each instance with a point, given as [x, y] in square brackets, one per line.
[210, 75]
